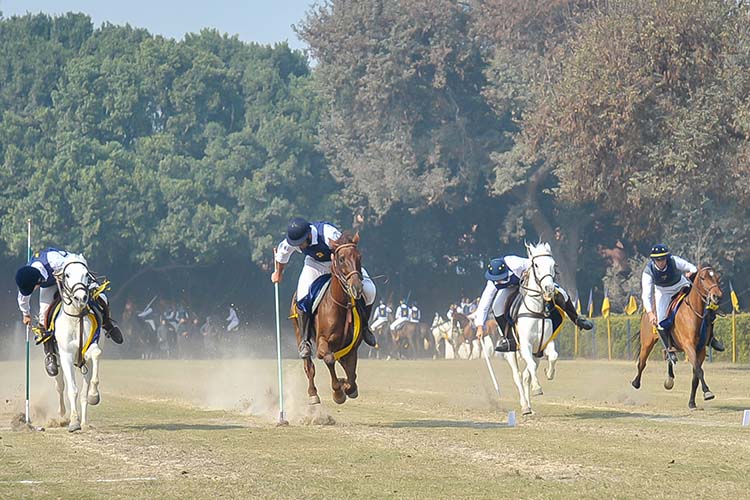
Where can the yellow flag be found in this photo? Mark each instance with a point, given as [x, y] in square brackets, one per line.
[735, 300]
[605, 305]
[632, 306]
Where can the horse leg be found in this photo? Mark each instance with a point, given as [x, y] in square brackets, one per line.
[697, 373]
[312, 391]
[669, 382]
[531, 367]
[552, 356]
[66, 362]
[83, 393]
[92, 396]
[60, 386]
[349, 363]
[707, 394]
[512, 360]
[336, 386]
[647, 344]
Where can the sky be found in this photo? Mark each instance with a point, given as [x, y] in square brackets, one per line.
[262, 21]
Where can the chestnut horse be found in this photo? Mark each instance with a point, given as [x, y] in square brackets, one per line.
[337, 322]
[466, 343]
[704, 296]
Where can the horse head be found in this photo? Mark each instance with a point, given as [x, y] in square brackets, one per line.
[707, 284]
[346, 264]
[542, 271]
[74, 281]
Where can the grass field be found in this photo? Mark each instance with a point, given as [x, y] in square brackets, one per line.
[420, 429]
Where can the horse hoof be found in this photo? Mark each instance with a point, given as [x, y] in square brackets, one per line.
[93, 399]
[636, 384]
[550, 375]
[313, 400]
[692, 406]
[526, 411]
[537, 392]
[669, 383]
[74, 427]
[708, 396]
[339, 397]
[353, 394]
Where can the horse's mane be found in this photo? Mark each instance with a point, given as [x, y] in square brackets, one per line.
[346, 237]
[461, 318]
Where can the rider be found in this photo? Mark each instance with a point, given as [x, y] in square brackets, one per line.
[664, 274]
[415, 315]
[380, 316]
[314, 241]
[402, 316]
[503, 279]
[40, 273]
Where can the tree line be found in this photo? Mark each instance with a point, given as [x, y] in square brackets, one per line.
[446, 132]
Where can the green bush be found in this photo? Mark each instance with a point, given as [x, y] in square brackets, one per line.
[593, 344]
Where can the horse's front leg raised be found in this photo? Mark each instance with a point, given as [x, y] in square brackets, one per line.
[552, 356]
[324, 351]
[92, 396]
[66, 362]
[349, 362]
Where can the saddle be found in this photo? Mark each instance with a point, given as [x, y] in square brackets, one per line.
[310, 302]
[674, 306]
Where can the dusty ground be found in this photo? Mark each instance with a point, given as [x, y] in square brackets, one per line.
[426, 429]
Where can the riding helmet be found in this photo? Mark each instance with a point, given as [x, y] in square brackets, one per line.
[27, 278]
[659, 250]
[497, 270]
[297, 231]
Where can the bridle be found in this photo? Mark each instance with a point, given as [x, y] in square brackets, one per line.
[707, 298]
[67, 291]
[344, 278]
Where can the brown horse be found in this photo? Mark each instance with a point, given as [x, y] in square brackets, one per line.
[704, 295]
[412, 340]
[336, 322]
[468, 333]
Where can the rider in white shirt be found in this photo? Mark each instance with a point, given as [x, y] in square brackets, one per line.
[504, 276]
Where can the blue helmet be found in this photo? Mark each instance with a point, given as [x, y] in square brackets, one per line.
[497, 270]
[27, 278]
[658, 251]
[297, 231]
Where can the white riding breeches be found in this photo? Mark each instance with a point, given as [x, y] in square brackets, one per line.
[663, 296]
[314, 269]
[396, 324]
[376, 324]
[46, 295]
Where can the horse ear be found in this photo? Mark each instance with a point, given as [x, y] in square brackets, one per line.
[547, 247]
[355, 240]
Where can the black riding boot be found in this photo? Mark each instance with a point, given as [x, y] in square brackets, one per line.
[506, 342]
[111, 330]
[567, 306]
[364, 313]
[50, 360]
[717, 344]
[306, 331]
[671, 355]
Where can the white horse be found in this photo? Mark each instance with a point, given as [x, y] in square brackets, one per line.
[73, 331]
[442, 329]
[533, 325]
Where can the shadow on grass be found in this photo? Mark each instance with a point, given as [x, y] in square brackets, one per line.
[183, 427]
[608, 414]
[465, 424]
